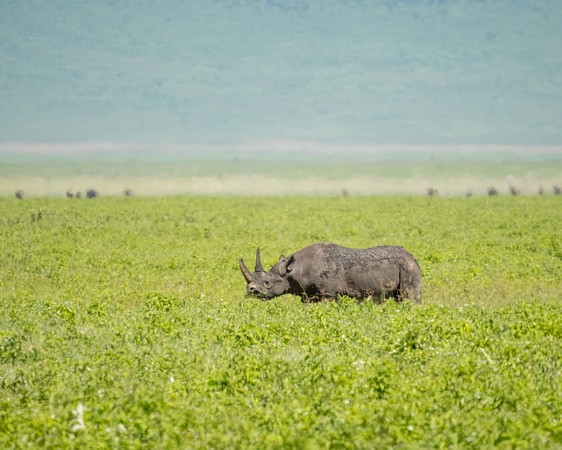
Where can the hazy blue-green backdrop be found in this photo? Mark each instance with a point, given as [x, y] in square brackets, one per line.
[169, 97]
[404, 71]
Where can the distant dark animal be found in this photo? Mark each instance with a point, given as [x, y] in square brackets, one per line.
[541, 190]
[20, 194]
[492, 191]
[557, 190]
[92, 193]
[78, 194]
[514, 191]
[468, 193]
[69, 193]
[344, 192]
[327, 271]
[433, 192]
[128, 192]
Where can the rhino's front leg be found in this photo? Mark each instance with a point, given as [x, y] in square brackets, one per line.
[308, 299]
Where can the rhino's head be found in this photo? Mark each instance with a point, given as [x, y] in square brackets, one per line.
[267, 285]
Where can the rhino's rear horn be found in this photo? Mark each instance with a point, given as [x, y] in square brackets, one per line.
[245, 271]
[259, 267]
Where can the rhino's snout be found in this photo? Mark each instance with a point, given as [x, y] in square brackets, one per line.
[252, 289]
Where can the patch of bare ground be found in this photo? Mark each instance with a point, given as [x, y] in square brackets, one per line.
[271, 186]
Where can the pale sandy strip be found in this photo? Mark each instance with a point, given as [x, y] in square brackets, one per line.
[263, 185]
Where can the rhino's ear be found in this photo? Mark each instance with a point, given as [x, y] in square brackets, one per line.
[285, 265]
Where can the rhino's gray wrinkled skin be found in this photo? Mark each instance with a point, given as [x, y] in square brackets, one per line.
[326, 271]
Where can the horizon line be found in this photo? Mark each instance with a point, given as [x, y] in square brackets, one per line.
[289, 146]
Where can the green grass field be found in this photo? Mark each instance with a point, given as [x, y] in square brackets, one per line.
[124, 323]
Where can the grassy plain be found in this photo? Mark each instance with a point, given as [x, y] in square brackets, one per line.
[123, 322]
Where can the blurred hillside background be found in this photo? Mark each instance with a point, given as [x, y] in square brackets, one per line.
[271, 97]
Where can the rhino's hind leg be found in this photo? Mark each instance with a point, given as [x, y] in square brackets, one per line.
[410, 286]
[411, 294]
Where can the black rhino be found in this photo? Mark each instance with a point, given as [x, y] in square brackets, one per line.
[326, 271]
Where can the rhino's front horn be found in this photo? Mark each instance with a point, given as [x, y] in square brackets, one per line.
[259, 267]
[245, 271]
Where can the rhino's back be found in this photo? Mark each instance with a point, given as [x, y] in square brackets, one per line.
[356, 272]
[326, 253]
